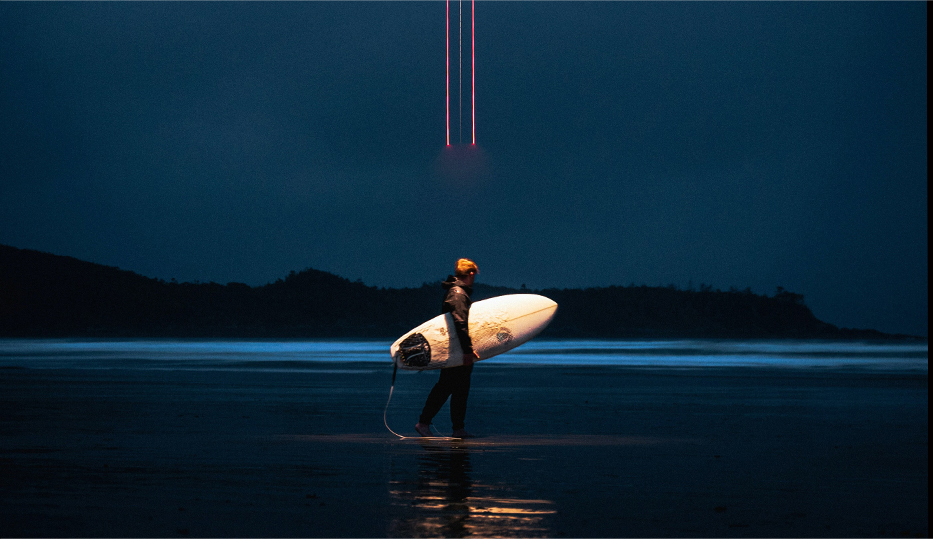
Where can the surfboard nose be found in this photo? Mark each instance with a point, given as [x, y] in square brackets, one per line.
[535, 303]
[535, 314]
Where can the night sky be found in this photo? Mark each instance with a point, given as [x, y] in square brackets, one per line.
[731, 144]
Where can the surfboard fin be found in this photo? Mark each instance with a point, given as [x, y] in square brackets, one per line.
[414, 351]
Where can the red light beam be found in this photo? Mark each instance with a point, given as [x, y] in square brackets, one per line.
[447, 56]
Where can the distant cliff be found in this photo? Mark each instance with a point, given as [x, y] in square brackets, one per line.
[44, 295]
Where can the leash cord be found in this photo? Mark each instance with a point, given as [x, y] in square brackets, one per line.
[386, 411]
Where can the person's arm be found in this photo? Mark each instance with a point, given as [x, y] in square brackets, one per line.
[457, 303]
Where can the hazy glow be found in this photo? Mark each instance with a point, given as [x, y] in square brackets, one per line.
[462, 166]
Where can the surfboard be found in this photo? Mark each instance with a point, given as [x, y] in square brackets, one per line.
[496, 325]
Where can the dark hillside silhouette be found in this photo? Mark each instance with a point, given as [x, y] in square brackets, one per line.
[45, 295]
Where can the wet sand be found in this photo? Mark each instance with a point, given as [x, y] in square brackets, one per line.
[563, 451]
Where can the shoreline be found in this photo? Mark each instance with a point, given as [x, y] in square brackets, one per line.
[305, 354]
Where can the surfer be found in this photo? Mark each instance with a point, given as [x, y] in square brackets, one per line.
[454, 382]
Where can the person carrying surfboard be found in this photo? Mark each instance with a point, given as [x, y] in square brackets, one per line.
[454, 382]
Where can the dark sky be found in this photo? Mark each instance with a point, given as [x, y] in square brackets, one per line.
[735, 144]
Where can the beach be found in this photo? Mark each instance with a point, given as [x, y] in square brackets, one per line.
[282, 449]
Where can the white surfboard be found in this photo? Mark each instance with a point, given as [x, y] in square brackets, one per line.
[496, 325]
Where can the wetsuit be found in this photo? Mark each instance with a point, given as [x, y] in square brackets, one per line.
[454, 382]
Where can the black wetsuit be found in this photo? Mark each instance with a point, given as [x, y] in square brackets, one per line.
[454, 382]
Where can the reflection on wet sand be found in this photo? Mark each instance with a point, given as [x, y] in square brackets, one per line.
[443, 500]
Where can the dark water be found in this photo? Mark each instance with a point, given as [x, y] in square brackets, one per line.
[578, 439]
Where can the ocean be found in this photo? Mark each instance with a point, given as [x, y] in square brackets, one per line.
[297, 355]
[576, 438]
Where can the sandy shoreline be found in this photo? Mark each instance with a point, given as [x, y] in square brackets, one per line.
[564, 451]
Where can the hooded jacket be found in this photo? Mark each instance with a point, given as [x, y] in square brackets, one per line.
[457, 302]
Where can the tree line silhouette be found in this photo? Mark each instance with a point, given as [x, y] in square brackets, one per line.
[45, 295]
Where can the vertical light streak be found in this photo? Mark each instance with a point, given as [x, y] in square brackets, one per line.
[460, 78]
[473, 68]
[447, 58]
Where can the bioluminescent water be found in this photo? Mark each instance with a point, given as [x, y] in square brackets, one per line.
[201, 354]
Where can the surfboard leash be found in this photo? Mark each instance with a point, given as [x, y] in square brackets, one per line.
[386, 411]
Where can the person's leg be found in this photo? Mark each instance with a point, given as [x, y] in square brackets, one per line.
[460, 391]
[437, 397]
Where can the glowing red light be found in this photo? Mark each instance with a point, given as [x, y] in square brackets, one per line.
[460, 77]
[447, 56]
